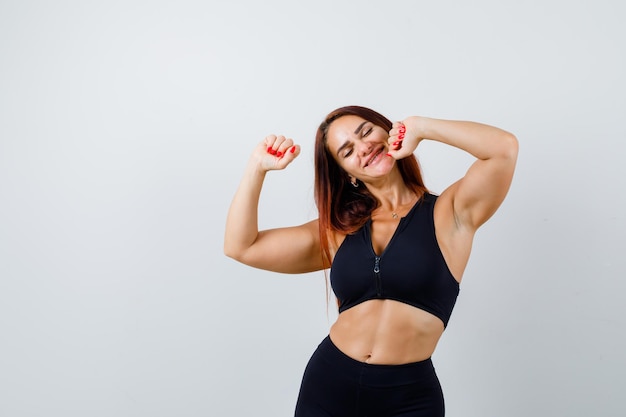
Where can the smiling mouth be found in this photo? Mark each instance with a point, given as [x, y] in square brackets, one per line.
[374, 156]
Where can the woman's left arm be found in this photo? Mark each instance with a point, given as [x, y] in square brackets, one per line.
[477, 195]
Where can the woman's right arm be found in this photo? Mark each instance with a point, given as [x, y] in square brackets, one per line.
[288, 250]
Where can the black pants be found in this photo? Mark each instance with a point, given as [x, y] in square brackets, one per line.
[335, 385]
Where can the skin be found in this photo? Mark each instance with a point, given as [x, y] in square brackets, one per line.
[379, 331]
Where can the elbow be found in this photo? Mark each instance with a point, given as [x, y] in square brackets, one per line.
[509, 147]
[229, 252]
[233, 254]
[238, 249]
[232, 251]
[241, 254]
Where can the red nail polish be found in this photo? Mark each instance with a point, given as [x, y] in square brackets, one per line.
[401, 136]
[396, 143]
[279, 154]
[293, 149]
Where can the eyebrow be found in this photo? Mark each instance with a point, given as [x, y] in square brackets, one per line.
[341, 148]
[347, 143]
[358, 129]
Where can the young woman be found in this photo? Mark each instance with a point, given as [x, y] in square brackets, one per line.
[396, 252]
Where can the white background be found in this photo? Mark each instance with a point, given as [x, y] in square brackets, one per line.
[124, 130]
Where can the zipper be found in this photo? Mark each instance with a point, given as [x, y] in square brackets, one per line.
[377, 275]
[379, 284]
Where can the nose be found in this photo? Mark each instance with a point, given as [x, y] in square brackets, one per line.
[364, 148]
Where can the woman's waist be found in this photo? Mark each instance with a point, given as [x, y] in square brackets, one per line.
[386, 332]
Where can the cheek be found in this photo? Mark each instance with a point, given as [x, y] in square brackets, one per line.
[384, 136]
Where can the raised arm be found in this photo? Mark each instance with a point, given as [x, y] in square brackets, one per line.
[476, 196]
[289, 250]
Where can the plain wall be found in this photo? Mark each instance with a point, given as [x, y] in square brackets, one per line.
[124, 130]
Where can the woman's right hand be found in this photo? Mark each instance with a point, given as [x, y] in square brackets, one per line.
[276, 152]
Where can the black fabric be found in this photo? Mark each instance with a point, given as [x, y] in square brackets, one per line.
[411, 269]
[335, 385]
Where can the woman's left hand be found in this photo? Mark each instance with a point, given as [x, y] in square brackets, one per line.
[404, 137]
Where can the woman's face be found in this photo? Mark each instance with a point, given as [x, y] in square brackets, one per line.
[359, 147]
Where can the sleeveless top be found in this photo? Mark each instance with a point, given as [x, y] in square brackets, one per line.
[411, 269]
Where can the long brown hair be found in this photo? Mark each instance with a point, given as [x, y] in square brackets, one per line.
[341, 206]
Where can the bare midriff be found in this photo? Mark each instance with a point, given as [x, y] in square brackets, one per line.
[386, 332]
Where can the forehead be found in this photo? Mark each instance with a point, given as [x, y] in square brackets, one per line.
[343, 129]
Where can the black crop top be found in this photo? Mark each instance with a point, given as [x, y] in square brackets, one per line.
[411, 269]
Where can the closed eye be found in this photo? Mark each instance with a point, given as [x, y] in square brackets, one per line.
[367, 132]
[348, 153]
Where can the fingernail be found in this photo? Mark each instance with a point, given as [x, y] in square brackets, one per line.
[293, 149]
[279, 154]
[269, 149]
[396, 143]
[401, 136]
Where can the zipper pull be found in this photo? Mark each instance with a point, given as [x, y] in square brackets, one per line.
[377, 274]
